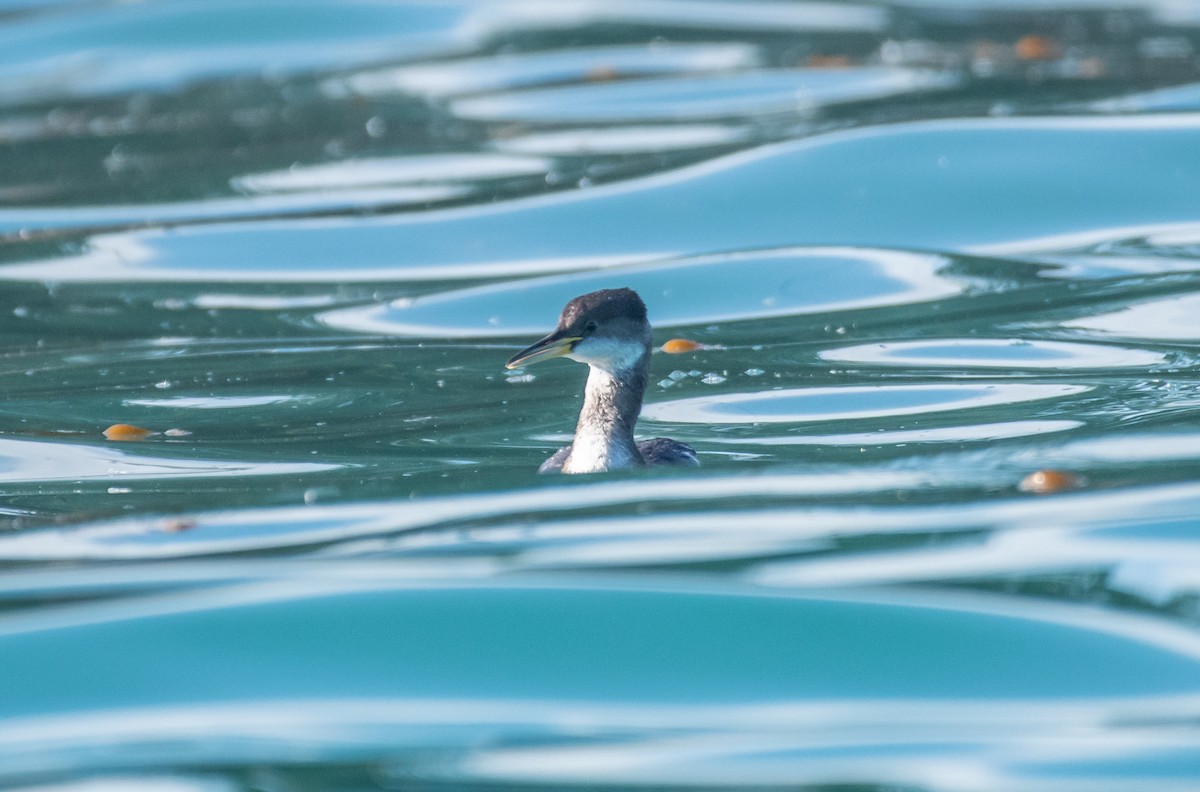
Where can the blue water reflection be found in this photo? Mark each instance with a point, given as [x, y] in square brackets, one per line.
[998, 353]
[878, 661]
[572, 632]
[693, 98]
[937, 262]
[681, 292]
[114, 48]
[510, 71]
[951, 185]
[830, 404]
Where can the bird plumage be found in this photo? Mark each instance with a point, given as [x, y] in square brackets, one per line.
[609, 331]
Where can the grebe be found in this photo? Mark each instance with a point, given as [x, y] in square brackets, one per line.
[609, 331]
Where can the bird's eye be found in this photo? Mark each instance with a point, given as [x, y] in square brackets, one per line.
[591, 326]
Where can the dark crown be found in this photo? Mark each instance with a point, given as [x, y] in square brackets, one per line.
[603, 305]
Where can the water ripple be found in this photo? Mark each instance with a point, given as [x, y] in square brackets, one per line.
[797, 91]
[730, 287]
[997, 353]
[383, 171]
[990, 698]
[47, 462]
[509, 71]
[1175, 318]
[922, 192]
[103, 49]
[850, 402]
[627, 139]
[29, 222]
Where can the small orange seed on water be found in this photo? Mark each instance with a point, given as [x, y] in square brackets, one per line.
[1036, 48]
[1043, 482]
[127, 432]
[602, 73]
[178, 525]
[678, 346]
[828, 62]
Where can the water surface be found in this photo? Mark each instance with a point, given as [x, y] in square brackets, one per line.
[927, 250]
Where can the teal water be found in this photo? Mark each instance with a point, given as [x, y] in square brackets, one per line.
[928, 248]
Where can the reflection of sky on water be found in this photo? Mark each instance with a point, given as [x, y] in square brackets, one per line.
[1181, 98]
[850, 402]
[382, 171]
[681, 292]
[906, 742]
[519, 70]
[101, 49]
[946, 185]
[1022, 549]
[108, 48]
[106, 250]
[216, 402]
[991, 680]
[682, 98]
[1173, 318]
[997, 644]
[403, 598]
[268, 528]
[752, 15]
[27, 461]
[941, 434]
[590, 141]
[1125, 449]
[603, 526]
[995, 353]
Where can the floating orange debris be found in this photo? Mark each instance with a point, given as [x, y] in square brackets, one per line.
[1043, 482]
[1037, 48]
[828, 62]
[602, 73]
[178, 525]
[127, 432]
[678, 346]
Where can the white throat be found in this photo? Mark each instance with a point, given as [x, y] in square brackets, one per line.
[604, 435]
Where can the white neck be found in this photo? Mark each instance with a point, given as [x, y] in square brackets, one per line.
[604, 434]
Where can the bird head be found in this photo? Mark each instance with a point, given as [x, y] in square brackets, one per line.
[607, 329]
